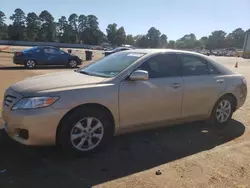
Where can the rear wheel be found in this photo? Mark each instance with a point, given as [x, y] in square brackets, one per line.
[223, 111]
[30, 64]
[85, 131]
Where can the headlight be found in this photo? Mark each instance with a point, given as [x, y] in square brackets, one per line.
[34, 102]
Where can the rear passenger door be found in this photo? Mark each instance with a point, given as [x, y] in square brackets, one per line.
[202, 85]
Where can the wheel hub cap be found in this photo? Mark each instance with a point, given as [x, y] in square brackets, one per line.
[223, 111]
[72, 63]
[87, 133]
[31, 64]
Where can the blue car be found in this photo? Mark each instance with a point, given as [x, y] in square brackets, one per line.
[45, 55]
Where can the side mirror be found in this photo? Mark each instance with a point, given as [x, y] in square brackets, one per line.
[139, 75]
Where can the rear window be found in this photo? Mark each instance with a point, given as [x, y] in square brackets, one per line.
[34, 49]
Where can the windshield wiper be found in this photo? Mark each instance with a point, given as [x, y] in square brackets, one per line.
[94, 74]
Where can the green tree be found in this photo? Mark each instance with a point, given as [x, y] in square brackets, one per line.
[111, 33]
[237, 37]
[120, 36]
[163, 41]
[92, 34]
[32, 26]
[130, 40]
[73, 23]
[82, 25]
[63, 30]
[187, 42]
[216, 40]
[16, 31]
[92, 22]
[2, 18]
[141, 41]
[3, 26]
[48, 28]
[153, 37]
[171, 44]
[203, 42]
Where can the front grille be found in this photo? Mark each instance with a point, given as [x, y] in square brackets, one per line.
[8, 100]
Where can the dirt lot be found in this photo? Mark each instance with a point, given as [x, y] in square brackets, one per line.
[189, 155]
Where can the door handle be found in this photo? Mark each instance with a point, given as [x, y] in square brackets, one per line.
[176, 85]
[220, 81]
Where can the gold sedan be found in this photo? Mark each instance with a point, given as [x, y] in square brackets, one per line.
[126, 91]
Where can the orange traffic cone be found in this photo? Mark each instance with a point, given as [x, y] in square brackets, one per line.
[236, 65]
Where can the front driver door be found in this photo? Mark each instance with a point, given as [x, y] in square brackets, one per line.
[55, 56]
[157, 99]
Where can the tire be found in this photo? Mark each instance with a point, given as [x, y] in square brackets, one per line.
[220, 115]
[30, 64]
[72, 63]
[76, 136]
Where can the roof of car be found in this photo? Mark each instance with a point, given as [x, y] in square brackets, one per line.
[152, 51]
[46, 47]
[155, 51]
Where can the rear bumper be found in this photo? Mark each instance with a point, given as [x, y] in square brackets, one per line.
[18, 61]
[241, 97]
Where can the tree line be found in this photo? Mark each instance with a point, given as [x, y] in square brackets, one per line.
[84, 29]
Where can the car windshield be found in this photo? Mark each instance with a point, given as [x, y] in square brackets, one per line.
[112, 65]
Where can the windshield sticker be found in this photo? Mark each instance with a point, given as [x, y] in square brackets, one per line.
[135, 54]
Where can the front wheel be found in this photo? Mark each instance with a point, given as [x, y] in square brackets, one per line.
[85, 131]
[222, 111]
[72, 63]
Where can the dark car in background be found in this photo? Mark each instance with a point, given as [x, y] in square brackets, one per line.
[45, 55]
[118, 49]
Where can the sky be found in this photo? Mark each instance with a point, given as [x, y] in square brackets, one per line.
[175, 18]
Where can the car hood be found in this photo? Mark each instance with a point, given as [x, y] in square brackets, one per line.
[55, 81]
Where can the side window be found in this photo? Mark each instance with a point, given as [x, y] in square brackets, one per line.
[51, 51]
[212, 69]
[164, 65]
[195, 66]
[38, 50]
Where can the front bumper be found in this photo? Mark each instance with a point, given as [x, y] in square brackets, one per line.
[41, 125]
[79, 62]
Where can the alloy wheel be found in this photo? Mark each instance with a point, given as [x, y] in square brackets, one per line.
[223, 111]
[30, 64]
[72, 63]
[87, 134]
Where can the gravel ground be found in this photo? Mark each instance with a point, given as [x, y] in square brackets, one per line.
[188, 155]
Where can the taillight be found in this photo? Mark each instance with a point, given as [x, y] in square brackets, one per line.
[19, 53]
